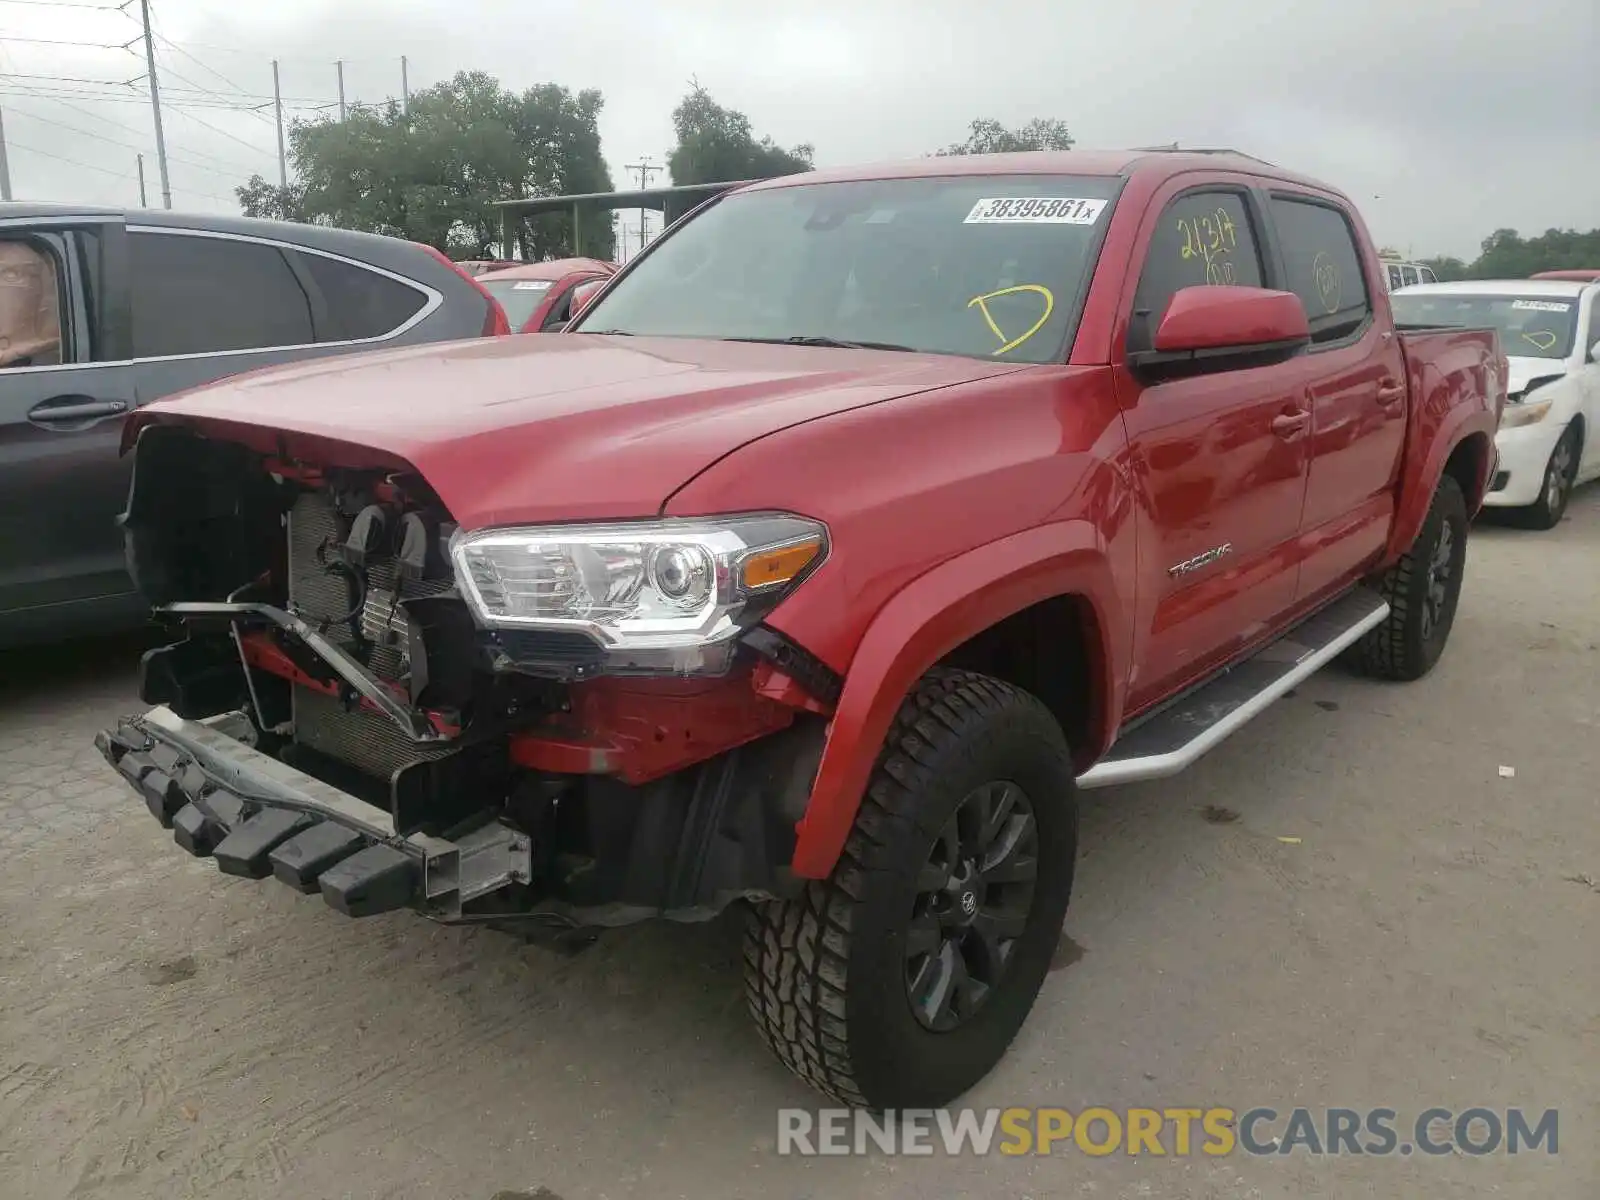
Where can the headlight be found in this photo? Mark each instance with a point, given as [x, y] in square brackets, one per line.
[1517, 415]
[658, 596]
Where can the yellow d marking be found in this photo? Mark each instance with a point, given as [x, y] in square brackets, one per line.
[1542, 338]
[982, 305]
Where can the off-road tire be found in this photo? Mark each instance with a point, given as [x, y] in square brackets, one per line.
[1555, 487]
[1405, 646]
[825, 973]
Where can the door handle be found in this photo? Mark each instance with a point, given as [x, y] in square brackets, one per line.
[64, 410]
[1291, 424]
[1391, 393]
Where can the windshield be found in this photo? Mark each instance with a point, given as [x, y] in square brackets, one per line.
[519, 297]
[989, 266]
[1529, 326]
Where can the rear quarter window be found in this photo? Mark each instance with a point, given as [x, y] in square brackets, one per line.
[1323, 267]
[360, 303]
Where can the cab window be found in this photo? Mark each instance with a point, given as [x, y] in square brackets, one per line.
[1202, 238]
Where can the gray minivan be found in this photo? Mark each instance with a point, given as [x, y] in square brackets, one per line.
[104, 310]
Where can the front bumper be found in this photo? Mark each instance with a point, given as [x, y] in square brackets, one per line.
[256, 816]
[1524, 453]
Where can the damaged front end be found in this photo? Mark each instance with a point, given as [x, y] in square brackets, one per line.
[560, 728]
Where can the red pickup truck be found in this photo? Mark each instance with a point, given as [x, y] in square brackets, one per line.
[860, 521]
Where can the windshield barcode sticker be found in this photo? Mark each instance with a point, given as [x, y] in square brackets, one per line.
[1542, 305]
[1035, 210]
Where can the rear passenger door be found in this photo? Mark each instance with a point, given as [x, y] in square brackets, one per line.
[209, 304]
[65, 386]
[1223, 477]
[1353, 380]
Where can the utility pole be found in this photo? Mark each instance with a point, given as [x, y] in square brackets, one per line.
[340, 66]
[405, 86]
[155, 105]
[645, 169]
[143, 203]
[277, 106]
[5, 165]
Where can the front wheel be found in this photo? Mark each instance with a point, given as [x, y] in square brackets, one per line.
[1556, 489]
[1423, 590]
[900, 980]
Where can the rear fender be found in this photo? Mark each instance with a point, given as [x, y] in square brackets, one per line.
[1456, 394]
[923, 623]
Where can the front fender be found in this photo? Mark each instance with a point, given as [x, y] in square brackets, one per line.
[926, 620]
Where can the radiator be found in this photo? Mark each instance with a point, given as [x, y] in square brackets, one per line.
[360, 738]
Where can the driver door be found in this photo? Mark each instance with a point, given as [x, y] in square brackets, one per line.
[1220, 461]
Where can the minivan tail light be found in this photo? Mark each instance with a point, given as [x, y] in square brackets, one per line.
[495, 323]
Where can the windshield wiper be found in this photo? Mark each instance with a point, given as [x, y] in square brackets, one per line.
[814, 339]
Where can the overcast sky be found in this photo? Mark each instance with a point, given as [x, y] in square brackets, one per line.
[1444, 119]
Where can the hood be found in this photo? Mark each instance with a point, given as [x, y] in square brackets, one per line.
[555, 427]
[1521, 370]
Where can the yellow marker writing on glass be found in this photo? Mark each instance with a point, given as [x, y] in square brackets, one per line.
[1543, 339]
[981, 303]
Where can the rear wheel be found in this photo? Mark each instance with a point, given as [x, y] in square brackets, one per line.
[901, 979]
[1422, 589]
[1556, 489]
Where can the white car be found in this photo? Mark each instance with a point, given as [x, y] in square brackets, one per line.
[1549, 439]
[1397, 274]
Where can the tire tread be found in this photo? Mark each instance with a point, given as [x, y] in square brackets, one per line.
[796, 952]
[1394, 649]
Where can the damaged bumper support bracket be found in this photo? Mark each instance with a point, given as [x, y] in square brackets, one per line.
[257, 816]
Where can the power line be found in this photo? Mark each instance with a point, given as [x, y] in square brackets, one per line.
[89, 133]
[109, 98]
[156, 25]
[11, 37]
[213, 94]
[231, 137]
[74, 162]
[172, 45]
[256, 98]
[64, 78]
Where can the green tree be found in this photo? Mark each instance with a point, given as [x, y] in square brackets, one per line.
[988, 136]
[1508, 255]
[433, 173]
[716, 145]
[258, 198]
[1445, 268]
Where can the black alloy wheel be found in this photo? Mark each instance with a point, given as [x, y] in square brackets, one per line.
[973, 898]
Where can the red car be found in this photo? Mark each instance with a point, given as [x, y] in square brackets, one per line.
[880, 512]
[482, 266]
[1575, 275]
[537, 296]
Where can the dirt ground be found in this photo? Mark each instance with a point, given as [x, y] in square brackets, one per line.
[1432, 938]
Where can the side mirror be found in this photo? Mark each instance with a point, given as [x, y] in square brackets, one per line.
[1224, 328]
[582, 295]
